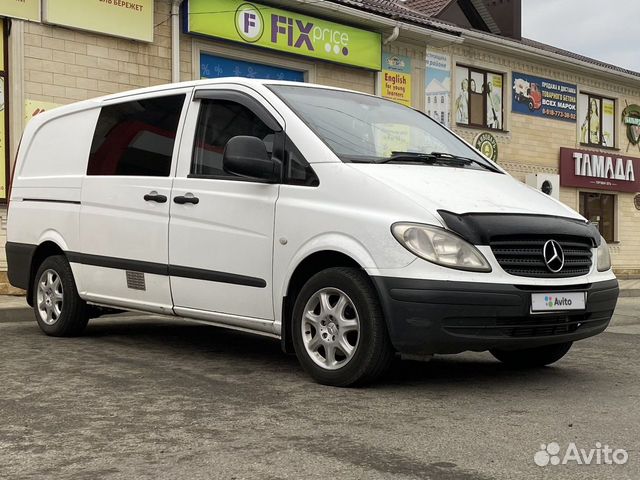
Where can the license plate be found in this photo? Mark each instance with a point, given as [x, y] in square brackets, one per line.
[550, 302]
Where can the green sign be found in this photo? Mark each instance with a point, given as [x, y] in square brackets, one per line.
[486, 144]
[276, 29]
[631, 118]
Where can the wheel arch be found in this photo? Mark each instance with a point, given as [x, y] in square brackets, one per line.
[305, 269]
[44, 250]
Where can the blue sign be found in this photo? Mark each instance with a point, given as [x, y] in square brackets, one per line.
[216, 67]
[546, 98]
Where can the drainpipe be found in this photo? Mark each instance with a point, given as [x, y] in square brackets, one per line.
[393, 37]
[175, 40]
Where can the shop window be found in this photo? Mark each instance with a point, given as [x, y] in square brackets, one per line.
[479, 98]
[596, 117]
[218, 122]
[136, 138]
[599, 209]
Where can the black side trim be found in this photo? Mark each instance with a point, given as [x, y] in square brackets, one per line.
[162, 269]
[51, 200]
[119, 263]
[212, 276]
[479, 228]
[19, 256]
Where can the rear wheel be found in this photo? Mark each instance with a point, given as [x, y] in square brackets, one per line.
[533, 357]
[59, 311]
[339, 333]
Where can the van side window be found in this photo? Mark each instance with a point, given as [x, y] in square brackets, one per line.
[218, 122]
[136, 138]
[298, 170]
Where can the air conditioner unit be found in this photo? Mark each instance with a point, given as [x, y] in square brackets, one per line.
[546, 183]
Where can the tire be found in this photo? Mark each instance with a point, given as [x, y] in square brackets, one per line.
[350, 324]
[532, 357]
[531, 106]
[58, 309]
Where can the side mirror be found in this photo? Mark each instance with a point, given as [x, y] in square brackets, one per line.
[248, 157]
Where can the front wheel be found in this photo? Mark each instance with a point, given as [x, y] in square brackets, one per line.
[339, 333]
[533, 357]
[59, 311]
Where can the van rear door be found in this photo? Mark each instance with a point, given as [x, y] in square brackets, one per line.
[124, 217]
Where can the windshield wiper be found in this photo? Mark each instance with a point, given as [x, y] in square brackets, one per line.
[436, 157]
[488, 166]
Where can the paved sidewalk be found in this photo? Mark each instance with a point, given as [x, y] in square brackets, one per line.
[629, 288]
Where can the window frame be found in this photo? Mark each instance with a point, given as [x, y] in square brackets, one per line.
[600, 99]
[254, 106]
[124, 99]
[484, 72]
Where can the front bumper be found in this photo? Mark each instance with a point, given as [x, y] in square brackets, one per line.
[431, 316]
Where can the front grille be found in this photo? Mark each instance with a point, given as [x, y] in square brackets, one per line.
[547, 325]
[522, 255]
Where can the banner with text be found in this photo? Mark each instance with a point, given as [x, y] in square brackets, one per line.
[542, 97]
[285, 31]
[121, 18]
[4, 148]
[396, 78]
[601, 171]
[22, 9]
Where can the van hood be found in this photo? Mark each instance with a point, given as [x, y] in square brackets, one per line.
[465, 190]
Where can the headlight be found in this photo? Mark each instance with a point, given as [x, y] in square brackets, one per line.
[604, 259]
[440, 246]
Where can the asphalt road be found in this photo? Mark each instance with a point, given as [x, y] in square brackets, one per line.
[156, 398]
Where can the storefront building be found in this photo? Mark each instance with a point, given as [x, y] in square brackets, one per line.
[523, 103]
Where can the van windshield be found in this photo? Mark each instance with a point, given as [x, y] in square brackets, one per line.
[365, 129]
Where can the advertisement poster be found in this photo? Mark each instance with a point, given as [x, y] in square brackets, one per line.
[596, 117]
[3, 132]
[35, 107]
[438, 87]
[396, 78]
[285, 31]
[542, 97]
[3, 142]
[22, 9]
[128, 19]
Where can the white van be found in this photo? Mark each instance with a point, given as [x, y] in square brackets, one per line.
[348, 226]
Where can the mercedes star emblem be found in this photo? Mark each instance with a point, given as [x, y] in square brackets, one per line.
[553, 256]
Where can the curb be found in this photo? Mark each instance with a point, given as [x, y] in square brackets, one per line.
[16, 314]
[630, 292]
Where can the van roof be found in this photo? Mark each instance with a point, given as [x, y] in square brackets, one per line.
[248, 82]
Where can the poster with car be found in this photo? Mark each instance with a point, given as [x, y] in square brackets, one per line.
[543, 97]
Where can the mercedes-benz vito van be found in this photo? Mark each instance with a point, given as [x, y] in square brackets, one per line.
[348, 226]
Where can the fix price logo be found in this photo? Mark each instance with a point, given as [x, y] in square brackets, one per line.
[249, 22]
[286, 29]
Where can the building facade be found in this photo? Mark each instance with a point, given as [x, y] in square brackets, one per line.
[546, 115]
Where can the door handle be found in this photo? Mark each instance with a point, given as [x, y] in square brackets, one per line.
[188, 198]
[155, 197]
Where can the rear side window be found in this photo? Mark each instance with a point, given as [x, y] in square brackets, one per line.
[136, 138]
